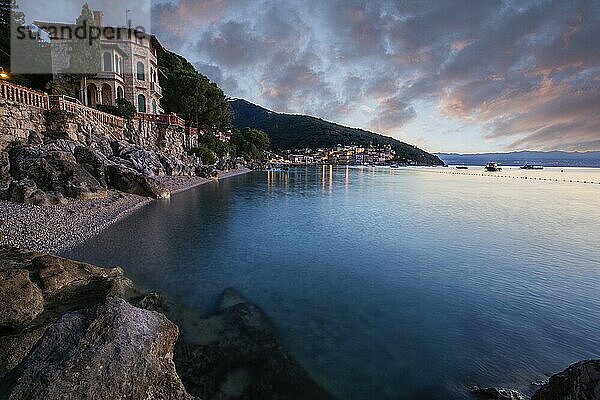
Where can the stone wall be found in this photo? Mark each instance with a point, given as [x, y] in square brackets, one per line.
[17, 120]
[158, 137]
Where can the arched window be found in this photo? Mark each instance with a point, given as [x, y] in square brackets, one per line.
[119, 92]
[154, 110]
[141, 103]
[107, 61]
[117, 64]
[140, 71]
[120, 65]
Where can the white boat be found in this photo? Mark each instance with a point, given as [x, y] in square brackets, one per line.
[492, 166]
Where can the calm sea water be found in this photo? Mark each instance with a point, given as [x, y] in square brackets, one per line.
[388, 283]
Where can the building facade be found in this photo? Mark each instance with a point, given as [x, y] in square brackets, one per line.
[128, 66]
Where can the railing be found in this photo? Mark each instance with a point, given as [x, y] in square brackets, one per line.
[165, 119]
[23, 95]
[73, 105]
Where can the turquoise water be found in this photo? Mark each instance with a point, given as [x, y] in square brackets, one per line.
[388, 283]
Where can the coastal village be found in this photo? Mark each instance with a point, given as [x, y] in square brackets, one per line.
[339, 155]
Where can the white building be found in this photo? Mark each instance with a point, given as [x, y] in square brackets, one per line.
[128, 67]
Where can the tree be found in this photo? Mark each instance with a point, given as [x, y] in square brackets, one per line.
[185, 91]
[185, 95]
[85, 53]
[250, 143]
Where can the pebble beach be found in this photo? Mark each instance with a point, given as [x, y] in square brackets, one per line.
[52, 229]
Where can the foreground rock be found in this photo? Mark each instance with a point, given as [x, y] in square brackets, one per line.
[111, 351]
[35, 289]
[236, 354]
[580, 381]
[67, 331]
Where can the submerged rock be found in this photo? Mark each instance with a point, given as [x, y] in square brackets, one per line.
[492, 393]
[580, 381]
[236, 354]
[111, 351]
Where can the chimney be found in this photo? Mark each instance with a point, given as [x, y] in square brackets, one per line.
[98, 17]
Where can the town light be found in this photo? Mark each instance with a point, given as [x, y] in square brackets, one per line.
[3, 74]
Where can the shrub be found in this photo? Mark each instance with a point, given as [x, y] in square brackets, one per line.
[205, 154]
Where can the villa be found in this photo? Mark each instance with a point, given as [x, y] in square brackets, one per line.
[128, 67]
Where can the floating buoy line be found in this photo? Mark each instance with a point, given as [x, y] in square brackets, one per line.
[531, 178]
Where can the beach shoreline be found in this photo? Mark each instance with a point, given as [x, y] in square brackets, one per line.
[55, 229]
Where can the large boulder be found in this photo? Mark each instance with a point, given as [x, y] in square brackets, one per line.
[144, 161]
[172, 165]
[64, 285]
[111, 351]
[25, 191]
[130, 181]
[5, 177]
[580, 381]
[206, 171]
[93, 161]
[54, 170]
[21, 300]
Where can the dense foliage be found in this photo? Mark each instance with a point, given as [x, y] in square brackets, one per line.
[250, 143]
[301, 131]
[203, 152]
[123, 108]
[192, 95]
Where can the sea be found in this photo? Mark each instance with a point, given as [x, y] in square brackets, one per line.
[388, 283]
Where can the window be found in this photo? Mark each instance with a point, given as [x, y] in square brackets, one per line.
[107, 62]
[140, 71]
[119, 92]
[117, 70]
[141, 103]
[154, 110]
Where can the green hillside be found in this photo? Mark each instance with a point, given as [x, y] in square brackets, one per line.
[288, 131]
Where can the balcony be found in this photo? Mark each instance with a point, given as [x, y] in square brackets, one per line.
[156, 88]
[109, 75]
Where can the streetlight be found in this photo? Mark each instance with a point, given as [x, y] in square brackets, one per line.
[3, 74]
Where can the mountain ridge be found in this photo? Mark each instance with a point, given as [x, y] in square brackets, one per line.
[297, 131]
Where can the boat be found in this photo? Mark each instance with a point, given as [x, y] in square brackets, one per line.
[462, 167]
[492, 166]
[394, 166]
[532, 166]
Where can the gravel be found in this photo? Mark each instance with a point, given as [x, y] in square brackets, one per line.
[53, 229]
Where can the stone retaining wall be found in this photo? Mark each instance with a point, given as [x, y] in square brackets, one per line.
[17, 120]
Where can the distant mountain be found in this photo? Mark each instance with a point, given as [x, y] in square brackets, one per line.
[546, 158]
[288, 132]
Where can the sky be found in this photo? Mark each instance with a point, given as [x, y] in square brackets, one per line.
[451, 76]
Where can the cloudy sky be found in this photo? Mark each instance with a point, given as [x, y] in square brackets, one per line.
[466, 76]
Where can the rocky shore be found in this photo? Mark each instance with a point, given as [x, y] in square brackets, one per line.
[73, 330]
